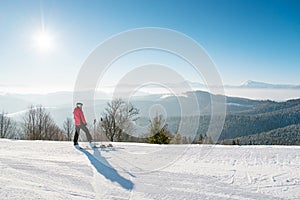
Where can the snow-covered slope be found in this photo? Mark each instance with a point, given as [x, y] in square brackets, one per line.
[56, 170]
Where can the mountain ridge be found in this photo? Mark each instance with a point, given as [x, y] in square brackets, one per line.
[288, 135]
[258, 84]
[243, 116]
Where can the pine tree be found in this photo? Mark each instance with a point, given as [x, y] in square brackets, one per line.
[201, 139]
[158, 132]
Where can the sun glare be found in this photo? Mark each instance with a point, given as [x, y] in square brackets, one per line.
[44, 40]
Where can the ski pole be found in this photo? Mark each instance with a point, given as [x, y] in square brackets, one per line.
[94, 132]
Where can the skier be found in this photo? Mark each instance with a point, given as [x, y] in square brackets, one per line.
[80, 123]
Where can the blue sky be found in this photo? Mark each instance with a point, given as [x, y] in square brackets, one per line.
[247, 39]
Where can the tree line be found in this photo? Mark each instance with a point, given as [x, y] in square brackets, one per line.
[37, 124]
[116, 124]
[289, 135]
[119, 118]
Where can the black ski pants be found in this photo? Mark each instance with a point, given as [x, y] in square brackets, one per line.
[77, 131]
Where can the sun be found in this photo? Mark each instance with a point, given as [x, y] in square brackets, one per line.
[44, 41]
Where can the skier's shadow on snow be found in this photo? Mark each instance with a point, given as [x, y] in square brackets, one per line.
[104, 168]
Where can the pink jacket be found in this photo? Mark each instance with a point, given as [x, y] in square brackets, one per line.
[78, 116]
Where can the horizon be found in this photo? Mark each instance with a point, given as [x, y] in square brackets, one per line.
[273, 92]
[5, 89]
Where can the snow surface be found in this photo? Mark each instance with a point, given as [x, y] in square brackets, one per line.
[56, 170]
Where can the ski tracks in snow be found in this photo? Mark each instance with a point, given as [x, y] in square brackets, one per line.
[56, 170]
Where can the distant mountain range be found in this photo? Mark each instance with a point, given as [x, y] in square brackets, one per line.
[256, 84]
[15, 102]
[250, 84]
[244, 117]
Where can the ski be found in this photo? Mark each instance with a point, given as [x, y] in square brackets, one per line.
[102, 146]
[94, 146]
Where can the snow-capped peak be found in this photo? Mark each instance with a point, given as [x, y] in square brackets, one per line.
[256, 84]
[250, 83]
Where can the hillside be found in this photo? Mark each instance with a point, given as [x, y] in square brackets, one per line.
[56, 170]
[289, 135]
[265, 118]
[244, 116]
[272, 106]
